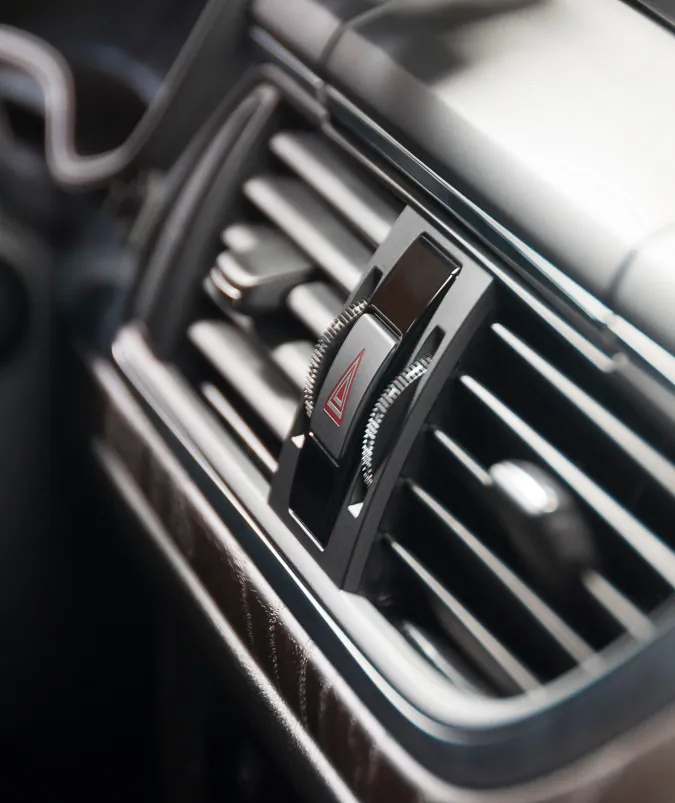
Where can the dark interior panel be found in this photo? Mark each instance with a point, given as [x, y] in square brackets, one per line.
[337, 410]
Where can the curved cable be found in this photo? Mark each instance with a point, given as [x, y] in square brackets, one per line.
[47, 67]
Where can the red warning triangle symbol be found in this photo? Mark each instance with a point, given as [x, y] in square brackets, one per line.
[336, 404]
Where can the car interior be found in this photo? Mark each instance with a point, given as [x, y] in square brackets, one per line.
[337, 401]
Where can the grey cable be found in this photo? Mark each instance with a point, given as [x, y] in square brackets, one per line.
[47, 67]
[187, 96]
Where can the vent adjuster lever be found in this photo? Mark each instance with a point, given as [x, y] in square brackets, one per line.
[369, 340]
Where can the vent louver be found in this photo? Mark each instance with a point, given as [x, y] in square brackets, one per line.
[306, 227]
[445, 569]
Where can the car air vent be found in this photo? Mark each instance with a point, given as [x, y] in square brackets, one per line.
[530, 534]
[306, 227]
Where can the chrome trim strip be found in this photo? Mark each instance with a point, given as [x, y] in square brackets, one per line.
[284, 58]
[638, 342]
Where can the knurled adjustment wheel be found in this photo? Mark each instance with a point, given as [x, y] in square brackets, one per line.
[386, 416]
[326, 349]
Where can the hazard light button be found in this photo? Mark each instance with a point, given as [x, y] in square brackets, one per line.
[350, 382]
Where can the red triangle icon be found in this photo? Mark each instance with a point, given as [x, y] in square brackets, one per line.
[336, 404]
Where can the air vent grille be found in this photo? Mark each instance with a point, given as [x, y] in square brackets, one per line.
[446, 568]
[307, 223]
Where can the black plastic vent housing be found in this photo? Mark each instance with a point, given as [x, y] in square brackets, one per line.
[451, 565]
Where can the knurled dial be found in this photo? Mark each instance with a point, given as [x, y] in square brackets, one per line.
[386, 416]
[326, 349]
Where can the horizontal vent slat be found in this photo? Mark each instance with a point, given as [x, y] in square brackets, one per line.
[293, 359]
[504, 669]
[618, 606]
[430, 648]
[290, 356]
[237, 424]
[336, 180]
[260, 266]
[647, 458]
[512, 586]
[316, 305]
[262, 385]
[644, 542]
[463, 458]
[312, 226]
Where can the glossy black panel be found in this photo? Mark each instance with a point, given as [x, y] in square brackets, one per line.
[412, 286]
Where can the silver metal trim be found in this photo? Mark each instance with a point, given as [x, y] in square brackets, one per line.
[285, 58]
[638, 342]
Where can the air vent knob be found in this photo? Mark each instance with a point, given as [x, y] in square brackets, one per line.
[386, 416]
[544, 522]
[547, 528]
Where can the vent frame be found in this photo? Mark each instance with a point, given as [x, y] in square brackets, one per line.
[496, 734]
